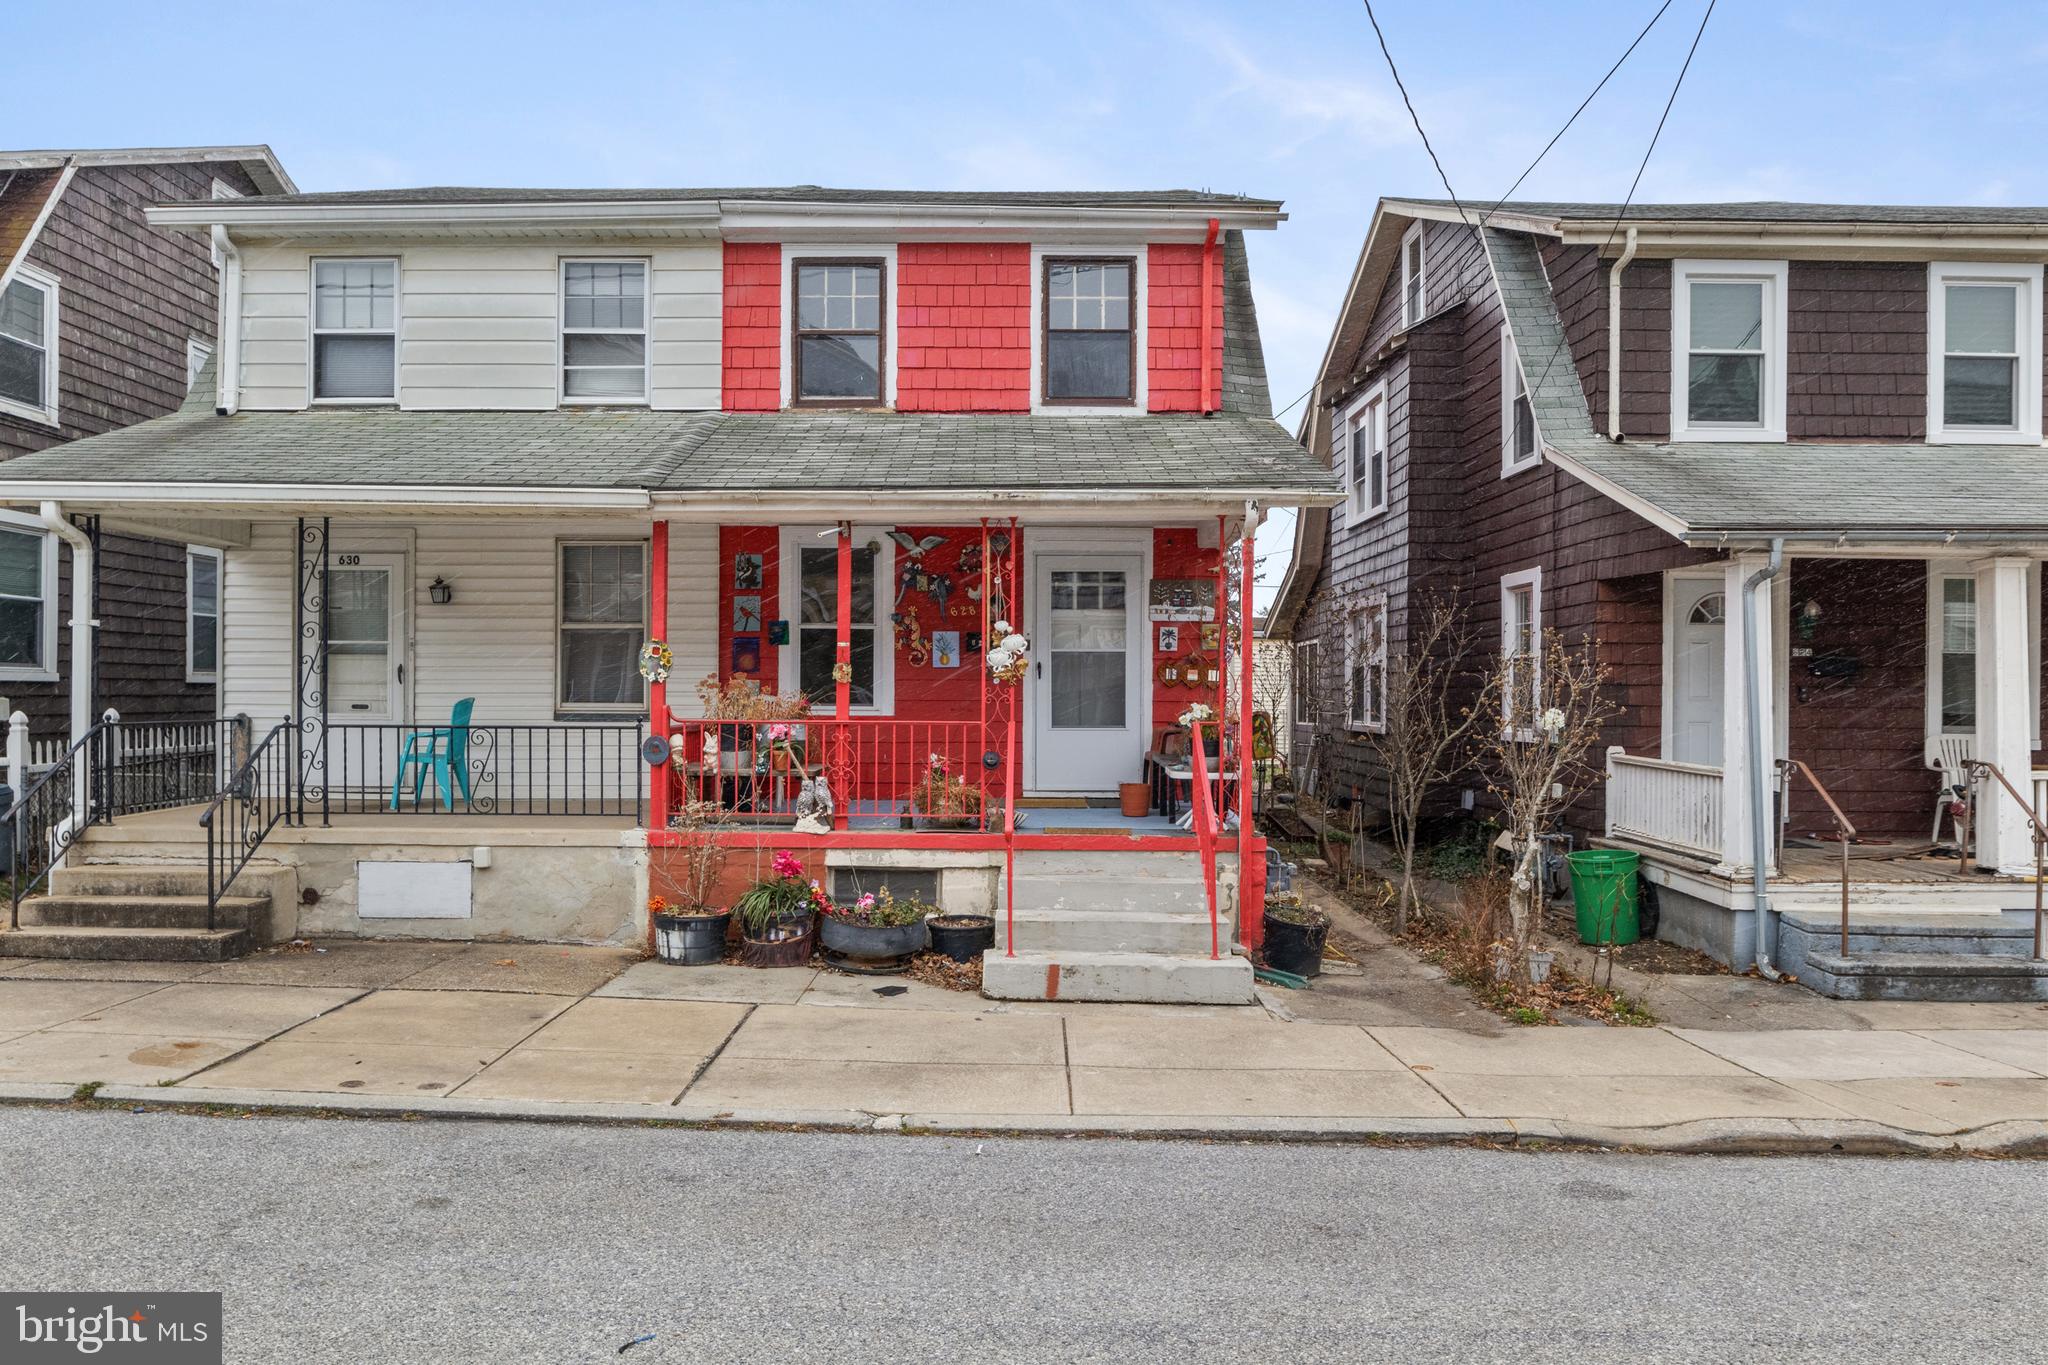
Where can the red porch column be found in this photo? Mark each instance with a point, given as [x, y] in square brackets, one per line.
[1251, 881]
[842, 679]
[658, 795]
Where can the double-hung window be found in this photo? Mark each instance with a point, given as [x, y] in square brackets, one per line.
[202, 614]
[1306, 662]
[1952, 651]
[603, 625]
[1984, 352]
[1521, 648]
[1090, 340]
[604, 331]
[1366, 665]
[1728, 350]
[817, 623]
[28, 346]
[837, 350]
[28, 576]
[1414, 276]
[355, 331]
[1517, 415]
[1362, 428]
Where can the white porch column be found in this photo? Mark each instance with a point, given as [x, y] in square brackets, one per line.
[1735, 740]
[2004, 727]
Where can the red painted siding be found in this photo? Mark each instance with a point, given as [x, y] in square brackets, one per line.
[753, 327]
[963, 327]
[1173, 321]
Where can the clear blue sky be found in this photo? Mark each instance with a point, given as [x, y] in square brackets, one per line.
[1865, 100]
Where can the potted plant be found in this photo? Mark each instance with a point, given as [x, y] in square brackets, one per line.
[1295, 934]
[876, 935]
[689, 925]
[778, 915]
[940, 800]
[961, 937]
[1201, 713]
[745, 747]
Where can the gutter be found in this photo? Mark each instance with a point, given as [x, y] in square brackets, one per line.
[228, 367]
[1628, 254]
[1759, 798]
[82, 624]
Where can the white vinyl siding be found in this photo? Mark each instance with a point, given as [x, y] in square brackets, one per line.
[479, 323]
[1984, 353]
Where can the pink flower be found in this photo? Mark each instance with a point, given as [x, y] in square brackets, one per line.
[786, 864]
[938, 764]
[778, 733]
[867, 902]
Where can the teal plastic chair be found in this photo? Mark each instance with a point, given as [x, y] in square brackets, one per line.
[443, 751]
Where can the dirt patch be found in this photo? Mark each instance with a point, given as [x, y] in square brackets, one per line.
[1645, 955]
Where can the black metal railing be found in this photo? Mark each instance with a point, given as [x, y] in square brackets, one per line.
[48, 816]
[160, 765]
[542, 769]
[255, 800]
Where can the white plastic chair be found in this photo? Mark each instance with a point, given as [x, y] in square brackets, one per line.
[1952, 753]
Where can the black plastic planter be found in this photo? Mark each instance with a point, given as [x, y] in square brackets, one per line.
[963, 937]
[871, 950]
[1295, 947]
[690, 940]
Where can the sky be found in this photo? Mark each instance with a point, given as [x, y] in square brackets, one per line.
[1838, 100]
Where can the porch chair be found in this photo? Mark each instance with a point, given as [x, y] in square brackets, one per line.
[443, 750]
[1952, 754]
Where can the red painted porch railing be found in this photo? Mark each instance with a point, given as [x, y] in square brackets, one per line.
[873, 764]
[1204, 812]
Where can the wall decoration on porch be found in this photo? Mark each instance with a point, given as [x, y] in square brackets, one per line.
[1182, 599]
[656, 659]
[1169, 673]
[945, 649]
[746, 655]
[971, 642]
[778, 633]
[1169, 639]
[746, 572]
[910, 637]
[1211, 633]
[746, 614]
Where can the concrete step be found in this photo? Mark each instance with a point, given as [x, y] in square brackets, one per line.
[1058, 864]
[145, 912]
[1116, 893]
[1132, 931]
[94, 944]
[1967, 977]
[1804, 933]
[153, 878]
[1138, 977]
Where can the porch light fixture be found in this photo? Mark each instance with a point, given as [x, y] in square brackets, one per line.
[440, 592]
[1808, 619]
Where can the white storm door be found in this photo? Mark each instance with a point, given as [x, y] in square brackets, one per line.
[365, 639]
[1699, 641]
[1087, 642]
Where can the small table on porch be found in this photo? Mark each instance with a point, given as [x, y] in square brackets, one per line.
[1169, 775]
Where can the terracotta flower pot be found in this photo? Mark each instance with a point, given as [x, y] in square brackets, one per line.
[1136, 799]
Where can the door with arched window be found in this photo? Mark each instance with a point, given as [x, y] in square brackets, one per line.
[1699, 643]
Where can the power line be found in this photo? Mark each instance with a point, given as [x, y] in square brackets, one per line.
[1413, 117]
[1675, 85]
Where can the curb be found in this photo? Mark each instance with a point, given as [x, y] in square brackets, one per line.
[1726, 1137]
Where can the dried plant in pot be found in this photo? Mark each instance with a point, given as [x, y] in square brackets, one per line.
[941, 800]
[876, 935]
[778, 915]
[689, 925]
[1295, 934]
[759, 731]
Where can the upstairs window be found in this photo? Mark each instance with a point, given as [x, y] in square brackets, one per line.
[1984, 352]
[1517, 416]
[837, 348]
[604, 331]
[1728, 351]
[355, 331]
[1363, 450]
[28, 346]
[202, 614]
[603, 625]
[1090, 342]
[1414, 277]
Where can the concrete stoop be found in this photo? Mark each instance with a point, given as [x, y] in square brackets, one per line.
[143, 912]
[1900, 955]
[1118, 926]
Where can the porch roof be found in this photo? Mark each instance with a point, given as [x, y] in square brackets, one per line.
[1707, 490]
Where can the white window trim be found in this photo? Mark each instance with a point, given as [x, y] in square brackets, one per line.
[1141, 292]
[2028, 321]
[1353, 627]
[1359, 504]
[886, 254]
[194, 674]
[1532, 579]
[1300, 691]
[1938, 570]
[1511, 372]
[1414, 234]
[1772, 275]
[563, 706]
[562, 398]
[197, 353]
[46, 411]
[788, 662]
[314, 332]
[47, 670]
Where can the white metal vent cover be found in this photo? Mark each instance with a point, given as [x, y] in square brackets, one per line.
[392, 890]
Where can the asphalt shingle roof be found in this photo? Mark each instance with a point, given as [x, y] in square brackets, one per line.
[1749, 488]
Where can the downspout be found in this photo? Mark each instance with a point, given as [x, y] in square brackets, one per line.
[1759, 794]
[1628, 253]
[229, 367]
[1208, 404]
[81, 643]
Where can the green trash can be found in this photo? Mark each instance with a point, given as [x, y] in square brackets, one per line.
[1604, 894]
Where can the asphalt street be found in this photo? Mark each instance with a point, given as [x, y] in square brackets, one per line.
[360, 1241]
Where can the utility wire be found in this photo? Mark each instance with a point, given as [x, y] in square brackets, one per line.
[1414, 117]
[1675, 85]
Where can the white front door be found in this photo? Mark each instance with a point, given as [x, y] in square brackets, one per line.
[1699, 626]
[1087, 672]
[365, 639]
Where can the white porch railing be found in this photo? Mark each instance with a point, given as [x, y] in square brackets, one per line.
[1656, 801]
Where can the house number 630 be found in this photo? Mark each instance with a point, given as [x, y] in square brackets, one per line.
[348, 561]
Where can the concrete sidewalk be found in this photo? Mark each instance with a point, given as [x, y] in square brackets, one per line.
[534, 1031]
